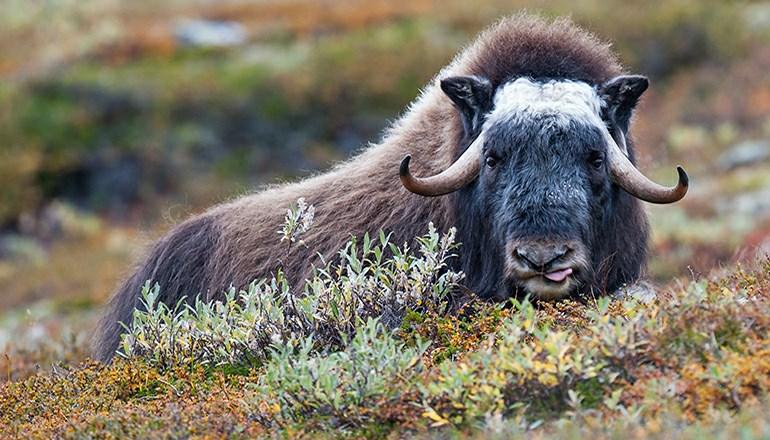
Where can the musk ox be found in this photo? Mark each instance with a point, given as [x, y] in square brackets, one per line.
[525, 138]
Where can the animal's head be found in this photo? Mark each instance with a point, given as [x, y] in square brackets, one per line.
[541, 171]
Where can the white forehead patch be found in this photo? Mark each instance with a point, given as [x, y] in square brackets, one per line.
[567, 100]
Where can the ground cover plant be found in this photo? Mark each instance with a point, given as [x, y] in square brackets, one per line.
[379, 343]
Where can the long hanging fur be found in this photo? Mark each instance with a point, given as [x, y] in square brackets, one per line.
[236, 242]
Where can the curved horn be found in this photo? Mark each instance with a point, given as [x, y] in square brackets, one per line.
[459, 174]
[628, 177]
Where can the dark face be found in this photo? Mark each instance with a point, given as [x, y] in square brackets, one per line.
[544, 190]
[542, 198]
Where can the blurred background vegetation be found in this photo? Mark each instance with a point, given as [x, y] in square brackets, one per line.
[118, 119]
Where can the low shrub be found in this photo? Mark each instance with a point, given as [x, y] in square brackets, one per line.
[345, 385]
[370, 279]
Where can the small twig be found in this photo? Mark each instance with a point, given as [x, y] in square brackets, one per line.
[8, 366]
[176, 391]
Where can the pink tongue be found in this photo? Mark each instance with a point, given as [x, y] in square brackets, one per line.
[559, 275]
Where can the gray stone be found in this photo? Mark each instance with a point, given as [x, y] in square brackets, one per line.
[209, 33]
[755, 204]
[744, 154]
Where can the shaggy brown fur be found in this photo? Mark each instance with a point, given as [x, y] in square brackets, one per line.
[237, 242]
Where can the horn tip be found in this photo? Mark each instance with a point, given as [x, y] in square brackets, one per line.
[403, 170]
[684, 179]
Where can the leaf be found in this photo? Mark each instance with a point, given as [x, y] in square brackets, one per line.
[437, 419]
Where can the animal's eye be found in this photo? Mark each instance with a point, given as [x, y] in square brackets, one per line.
[596, 159]
[491, 161]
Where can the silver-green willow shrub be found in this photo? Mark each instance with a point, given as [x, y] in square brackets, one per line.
[369, 278]
[373, 366]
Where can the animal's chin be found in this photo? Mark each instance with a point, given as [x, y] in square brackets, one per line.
[542, 288]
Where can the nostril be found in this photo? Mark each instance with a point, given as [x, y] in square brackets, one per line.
[554, 257]
[560, 252]
[528, 257]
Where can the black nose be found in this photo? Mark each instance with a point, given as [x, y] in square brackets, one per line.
[539, 256]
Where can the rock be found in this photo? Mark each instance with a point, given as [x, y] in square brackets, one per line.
[755, 204]
[758, 16]
[642, 291]
[209, 33]
[743, 154]
[18, 248]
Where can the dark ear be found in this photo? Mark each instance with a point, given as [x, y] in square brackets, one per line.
[620, 95]
[473, 97]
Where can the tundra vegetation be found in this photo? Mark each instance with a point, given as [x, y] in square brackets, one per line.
[376, 346]
[104, 125]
